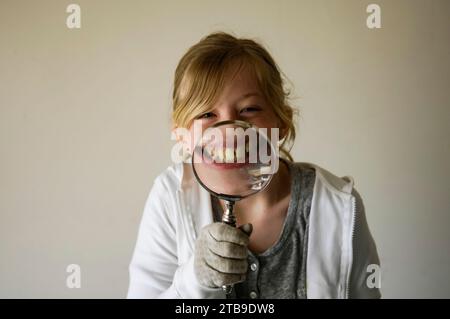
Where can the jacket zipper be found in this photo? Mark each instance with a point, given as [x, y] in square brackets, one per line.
[347, 290]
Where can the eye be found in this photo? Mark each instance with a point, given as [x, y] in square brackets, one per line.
[252, 108]
[206, 115]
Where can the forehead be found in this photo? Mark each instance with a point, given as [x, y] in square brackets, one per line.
[238, 83]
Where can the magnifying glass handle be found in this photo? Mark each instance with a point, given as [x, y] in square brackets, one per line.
[229, 219]
[228, 216]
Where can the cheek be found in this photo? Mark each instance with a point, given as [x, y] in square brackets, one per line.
[269, 122]
[266, 121]
[195, 132]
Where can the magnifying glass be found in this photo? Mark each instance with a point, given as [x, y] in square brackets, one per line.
[233, 160]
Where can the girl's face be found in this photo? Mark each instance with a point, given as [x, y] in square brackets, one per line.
[241, 100]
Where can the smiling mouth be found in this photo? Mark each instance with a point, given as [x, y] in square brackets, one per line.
[226, 157]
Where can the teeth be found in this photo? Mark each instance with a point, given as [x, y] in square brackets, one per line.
[218, 155]
[228, 155]
[209, 150]
[240, 154]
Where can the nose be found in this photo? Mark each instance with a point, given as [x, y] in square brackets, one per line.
[230, 115]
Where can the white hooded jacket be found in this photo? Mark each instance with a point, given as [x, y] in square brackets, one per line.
[340, 246]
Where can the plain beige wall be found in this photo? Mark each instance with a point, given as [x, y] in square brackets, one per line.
[84, 120]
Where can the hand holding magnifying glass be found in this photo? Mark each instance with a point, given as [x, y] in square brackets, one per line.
[234, 160]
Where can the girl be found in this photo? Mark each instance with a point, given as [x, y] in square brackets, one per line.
[303, 236]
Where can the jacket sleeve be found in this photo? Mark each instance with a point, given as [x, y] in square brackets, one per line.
[154, 269]
[366, 263]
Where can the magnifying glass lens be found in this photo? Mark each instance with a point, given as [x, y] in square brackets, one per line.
[234, 159]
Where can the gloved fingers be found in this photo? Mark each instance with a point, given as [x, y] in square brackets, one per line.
[226, 265]
[224, 232]
[228, 250]
[210, 277]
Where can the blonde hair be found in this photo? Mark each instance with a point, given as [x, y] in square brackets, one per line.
[200, 77]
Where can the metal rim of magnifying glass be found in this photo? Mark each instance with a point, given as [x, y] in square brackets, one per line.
[245, 125]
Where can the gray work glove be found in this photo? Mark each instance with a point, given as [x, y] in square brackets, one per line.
[221, 254]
